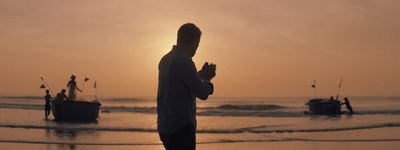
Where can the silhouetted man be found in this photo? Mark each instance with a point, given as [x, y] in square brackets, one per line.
[348, 105]
[61, 96]
[179, 84]
[47, 99]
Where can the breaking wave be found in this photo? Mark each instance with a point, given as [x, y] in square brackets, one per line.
[124, 99]
[266, 110]
[21, 97]
[21, 106]
[256, 129]
[250, 107]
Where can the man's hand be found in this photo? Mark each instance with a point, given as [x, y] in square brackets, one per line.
[207, 72]
[202, 72]
[210, 73]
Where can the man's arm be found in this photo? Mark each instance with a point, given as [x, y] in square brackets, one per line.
[78, 88]
[200, 88]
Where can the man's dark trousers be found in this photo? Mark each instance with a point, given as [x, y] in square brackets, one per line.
[183, 139]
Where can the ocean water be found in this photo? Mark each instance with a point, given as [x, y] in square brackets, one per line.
[131, 122]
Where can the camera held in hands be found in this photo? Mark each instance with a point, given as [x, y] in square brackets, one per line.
[207, 72]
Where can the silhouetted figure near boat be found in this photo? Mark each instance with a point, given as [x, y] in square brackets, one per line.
[179, 84]
[72, 88]
[47, 99]
[348, 106]
[61, 96]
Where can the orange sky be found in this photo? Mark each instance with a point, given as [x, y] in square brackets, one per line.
[262, 48]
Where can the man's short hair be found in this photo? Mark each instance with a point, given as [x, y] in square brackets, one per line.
[187, 33]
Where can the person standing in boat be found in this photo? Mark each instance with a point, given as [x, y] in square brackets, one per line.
[348, 105]
[72, 88]
[47, 99]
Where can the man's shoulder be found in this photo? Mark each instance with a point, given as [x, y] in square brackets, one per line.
[175, 59]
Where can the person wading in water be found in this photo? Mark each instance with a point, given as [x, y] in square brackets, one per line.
[47, 99]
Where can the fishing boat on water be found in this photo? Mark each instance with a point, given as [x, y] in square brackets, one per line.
[80, 111]
[324, 107]
[320, 106]
[68, 108]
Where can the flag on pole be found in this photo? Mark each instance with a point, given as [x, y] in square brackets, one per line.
[314, 85]
[42, 86]
[340, 84]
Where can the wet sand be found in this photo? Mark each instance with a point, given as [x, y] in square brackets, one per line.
[24, 128]
[231, 146]
[36, 139]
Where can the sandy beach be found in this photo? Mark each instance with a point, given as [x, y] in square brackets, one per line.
[377, 126]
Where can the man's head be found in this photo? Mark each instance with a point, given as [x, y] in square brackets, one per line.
[47, 91]
[73, 77]
[63, 91]
[189, 38]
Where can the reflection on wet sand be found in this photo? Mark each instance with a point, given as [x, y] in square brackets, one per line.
[67, 135]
